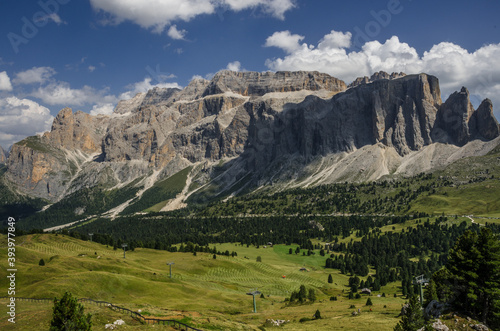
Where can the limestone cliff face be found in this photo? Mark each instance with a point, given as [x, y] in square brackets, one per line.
[79, 131]
[258, 84]
[253, 119]
[482, 123]
[39, 169]
[398, 113]
[458, 123]
[376, 76]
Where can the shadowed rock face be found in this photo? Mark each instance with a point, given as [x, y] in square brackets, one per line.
[483, 123]
[399, 113]
[255, 118]
[458, 123]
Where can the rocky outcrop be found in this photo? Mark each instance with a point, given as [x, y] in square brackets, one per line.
[458, 123]
[435, 309]
[483, 123]
[453, 119]
[259, 121]
[39, 169]
[258, 84]
[398, 113]
[437, 325]
[376, 76]
[78, 131]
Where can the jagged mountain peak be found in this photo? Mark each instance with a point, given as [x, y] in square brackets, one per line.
[376, 76]
[253, 122]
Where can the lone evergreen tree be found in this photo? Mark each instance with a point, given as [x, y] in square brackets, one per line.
[41, 262]
[330, 278]
[430, 292]
[68, 315]
[311, 295]
[414, 317]
[369, 302]
[317, 314]
[302, 293]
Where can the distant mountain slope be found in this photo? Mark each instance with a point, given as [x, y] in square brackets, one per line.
[242, 130]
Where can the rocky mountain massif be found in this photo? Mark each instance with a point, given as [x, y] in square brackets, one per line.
[242, 130]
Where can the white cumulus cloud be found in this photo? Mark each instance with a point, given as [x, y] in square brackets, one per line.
[234, 66]
[103, 108]
[455, 66]
[335, 39]
[5, 84]
[20, 118]
[159, 14]
[34, 75]
[174, 33]
[61, 93]
[285, 40]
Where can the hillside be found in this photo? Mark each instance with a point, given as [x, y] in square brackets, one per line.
[207, 293]
[210, 293]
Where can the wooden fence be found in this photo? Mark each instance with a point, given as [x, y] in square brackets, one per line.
[147, 320]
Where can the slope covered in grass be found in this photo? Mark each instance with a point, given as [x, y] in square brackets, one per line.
[208, 293]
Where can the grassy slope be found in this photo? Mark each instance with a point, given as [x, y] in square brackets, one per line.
[155, 198]
[476, 189]
[209, 293]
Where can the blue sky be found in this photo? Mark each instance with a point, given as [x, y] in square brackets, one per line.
[88, 54]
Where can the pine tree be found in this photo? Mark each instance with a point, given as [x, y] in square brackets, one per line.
[312, 295]
[68, 315]
[302, 294]
[330, 279]
[317, 314]
[41, 262]
[430, 292]
[470, 279]
[369, 302]
[414, 317]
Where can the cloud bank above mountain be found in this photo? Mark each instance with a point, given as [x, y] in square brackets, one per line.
[455, 66]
